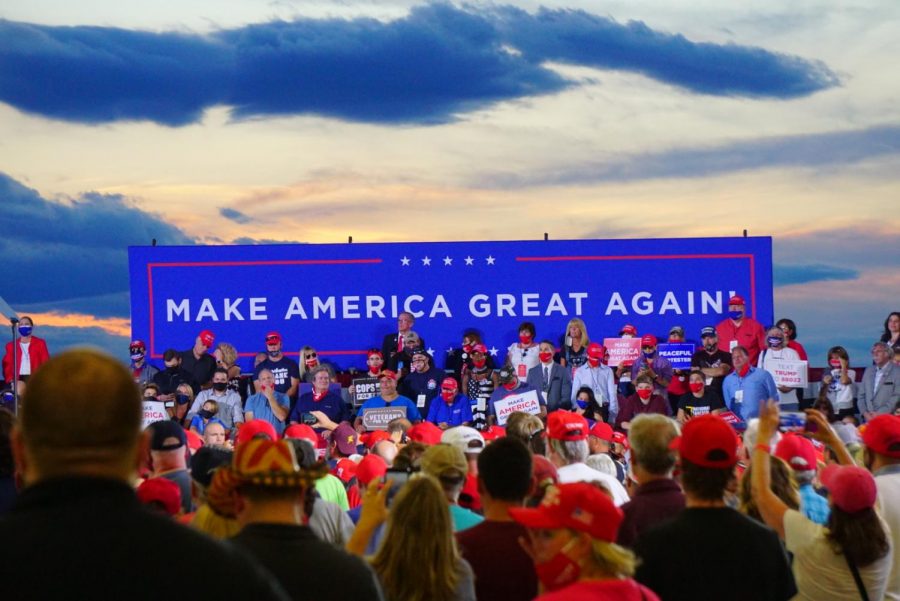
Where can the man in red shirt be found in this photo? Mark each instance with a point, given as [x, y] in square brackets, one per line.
[739, 330]
[503, 571]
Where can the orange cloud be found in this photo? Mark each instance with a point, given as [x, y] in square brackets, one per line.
[117, 326]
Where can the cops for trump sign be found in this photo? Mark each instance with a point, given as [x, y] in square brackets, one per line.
[344, 298]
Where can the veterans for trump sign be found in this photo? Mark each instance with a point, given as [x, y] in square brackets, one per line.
[343, 299]
[527, 402]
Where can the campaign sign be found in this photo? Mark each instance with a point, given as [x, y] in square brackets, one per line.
[788, 373]
[363, 389]
[527, 402]
[622, 350]
[343, 299]
[378, 418]
[678, 353]
[154, 411]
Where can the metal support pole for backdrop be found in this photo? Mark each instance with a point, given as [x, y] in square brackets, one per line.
[6, 310]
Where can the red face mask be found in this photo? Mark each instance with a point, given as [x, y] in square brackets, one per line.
[479, 363]
[525, 338]
[644, 393]
[696, 386]
[835, 363]
[545, 357]
[467, 348]
[311, 362]
[448, 395]
[511, 385]
[593, 361]
[559, 571]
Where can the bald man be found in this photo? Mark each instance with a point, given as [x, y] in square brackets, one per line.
[77, 525]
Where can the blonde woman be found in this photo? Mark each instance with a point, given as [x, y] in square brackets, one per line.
[572, 542]
[309, 360]
[418, 559]
[574, 350]
[226, 358]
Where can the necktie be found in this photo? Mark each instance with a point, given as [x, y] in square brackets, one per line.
[546, 377]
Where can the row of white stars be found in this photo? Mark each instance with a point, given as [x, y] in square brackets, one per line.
[426, 261]
[493, 351]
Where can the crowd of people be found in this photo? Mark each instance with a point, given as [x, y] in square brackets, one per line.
[622, 482]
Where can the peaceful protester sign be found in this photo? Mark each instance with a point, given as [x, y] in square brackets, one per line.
[343, 299]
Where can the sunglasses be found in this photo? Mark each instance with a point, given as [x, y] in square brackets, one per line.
[312, 355]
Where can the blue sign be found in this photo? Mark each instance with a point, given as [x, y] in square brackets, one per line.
[343, 299]
[678, 353]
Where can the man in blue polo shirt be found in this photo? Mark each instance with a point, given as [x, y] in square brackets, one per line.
[388, 398]
[452, 409]
[746, 387]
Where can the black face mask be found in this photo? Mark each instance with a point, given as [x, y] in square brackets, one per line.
[220, 386]
[205, 414]
[182, 399]
[172, 368]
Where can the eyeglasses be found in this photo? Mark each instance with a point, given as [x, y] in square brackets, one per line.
[312, 355]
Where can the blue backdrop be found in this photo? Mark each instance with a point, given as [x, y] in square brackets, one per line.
[344, 298]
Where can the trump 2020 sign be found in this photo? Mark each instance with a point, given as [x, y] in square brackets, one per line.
[344, 298]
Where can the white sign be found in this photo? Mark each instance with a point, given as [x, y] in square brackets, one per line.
[788, 373]
[527, 402]
[154, 411]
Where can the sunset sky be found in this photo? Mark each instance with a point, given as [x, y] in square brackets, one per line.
[240, 121]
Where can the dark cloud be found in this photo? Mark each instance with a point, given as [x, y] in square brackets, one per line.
[785, 275]
[867, 244]
[810, 150]
[117, 304]
[428, 67]
[52, 251]
[234, 215]
[62, 338]
[580, 38]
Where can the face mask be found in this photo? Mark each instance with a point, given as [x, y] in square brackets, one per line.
[674, 339]
[25, 330]
[744, 370]
[627, 336]
[559, 571]
[311, 362]
[448, 395]
[151, 397]
[696, 386]
[137, 356]
[649, 354]
[593, 361]
[479, 363]
[735, 315]
[710, 347]
[545, 357]
[644, 393]
[172, 368]
[525, 338]
[220, 386]
[510, 385]
[582, 404]
[774, 341]
[205, 414]
[182, 399]
[274, 353]
[467, 348]
[835, 363]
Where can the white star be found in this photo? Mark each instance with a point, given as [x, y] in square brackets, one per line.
[470, 261]
[490, 260]
[404, 261]
[450, 351]
[430, 351]
[493, 351]
[426, 261]
[448, 261]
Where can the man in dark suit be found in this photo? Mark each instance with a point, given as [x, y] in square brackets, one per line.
[550, 379]
[77, 449]
[392, 345]
[879, 390]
